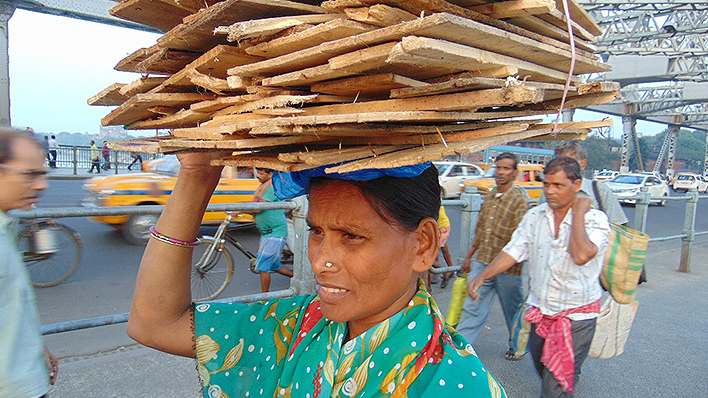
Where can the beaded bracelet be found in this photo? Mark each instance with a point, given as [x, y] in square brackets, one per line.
[172, 241]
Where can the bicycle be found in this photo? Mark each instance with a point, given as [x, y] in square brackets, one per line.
[51, 251]
[214, 266]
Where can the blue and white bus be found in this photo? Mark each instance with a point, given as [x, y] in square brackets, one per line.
[526, 155]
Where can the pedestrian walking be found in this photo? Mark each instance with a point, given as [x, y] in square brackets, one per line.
[95, 158]
[27, 368]
[53, 150]
[502, 210]
[136, 158]
[273, 227]
[106, 153]
[564, 241]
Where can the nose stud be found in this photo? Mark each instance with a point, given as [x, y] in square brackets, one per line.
[328, 264]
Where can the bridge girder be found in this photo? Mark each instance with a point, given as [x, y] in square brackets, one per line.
[87, 10]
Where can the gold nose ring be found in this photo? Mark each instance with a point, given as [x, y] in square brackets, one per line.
[328, 264]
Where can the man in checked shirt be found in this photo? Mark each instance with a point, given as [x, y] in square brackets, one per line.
[502, 210]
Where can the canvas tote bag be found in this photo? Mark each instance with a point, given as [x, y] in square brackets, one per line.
[612, 329]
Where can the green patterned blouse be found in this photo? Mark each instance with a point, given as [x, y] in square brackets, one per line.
[286, 348]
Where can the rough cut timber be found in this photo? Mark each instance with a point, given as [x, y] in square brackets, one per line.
[141, 85]
[441, 26]
[109, 96]
[366, 84]
[136, 108]
[213, 63]
[165, 62]
[468, 84]
[509, 9]
[268, 26]
[328, 31]
[160, 14]
[129, 63]
[197, 33]
[379, 15]
[426, 7]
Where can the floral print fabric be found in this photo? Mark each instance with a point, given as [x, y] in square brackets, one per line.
[286, 348]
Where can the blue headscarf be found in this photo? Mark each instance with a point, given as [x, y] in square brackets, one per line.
[288, 185]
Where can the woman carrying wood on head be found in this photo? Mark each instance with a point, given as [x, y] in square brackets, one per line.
[372, 329]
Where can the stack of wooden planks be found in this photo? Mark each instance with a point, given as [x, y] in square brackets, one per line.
[367, 83]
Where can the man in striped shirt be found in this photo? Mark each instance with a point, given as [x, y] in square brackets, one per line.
[564, 241]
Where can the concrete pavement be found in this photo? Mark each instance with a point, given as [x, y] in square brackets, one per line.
[666, 355]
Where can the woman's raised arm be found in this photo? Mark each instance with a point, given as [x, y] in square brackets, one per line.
[160, 313]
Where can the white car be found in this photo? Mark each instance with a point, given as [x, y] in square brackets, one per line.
[453, 174]
[685, 181]
[605, 175]
[625, 186]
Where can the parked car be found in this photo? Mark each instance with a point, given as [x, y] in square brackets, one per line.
[452, 174]
[605, 175]
[530, 178]
[686, 181]
[153, 188]
[625, 186]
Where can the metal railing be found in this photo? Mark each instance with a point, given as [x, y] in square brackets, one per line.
[303, 281]
[76, 157]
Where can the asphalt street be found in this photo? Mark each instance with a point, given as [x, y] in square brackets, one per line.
[665, 355]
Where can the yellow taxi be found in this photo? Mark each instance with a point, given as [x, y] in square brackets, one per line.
[530, 178]
[153, 188]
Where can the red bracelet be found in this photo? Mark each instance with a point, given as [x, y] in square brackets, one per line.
[172, 241]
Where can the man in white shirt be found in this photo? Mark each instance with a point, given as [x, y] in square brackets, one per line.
[53, 148]
[27, 368]
[564, 241]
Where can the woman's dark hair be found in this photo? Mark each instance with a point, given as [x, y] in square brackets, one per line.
[565, 163]
[402, 202]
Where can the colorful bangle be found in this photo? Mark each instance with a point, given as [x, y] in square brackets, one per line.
[172, 241]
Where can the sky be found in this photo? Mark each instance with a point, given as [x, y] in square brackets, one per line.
[57, 63]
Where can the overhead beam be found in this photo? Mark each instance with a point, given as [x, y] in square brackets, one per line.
[87, 10]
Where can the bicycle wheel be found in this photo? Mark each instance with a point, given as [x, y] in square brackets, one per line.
[54, 268]
[210, 279]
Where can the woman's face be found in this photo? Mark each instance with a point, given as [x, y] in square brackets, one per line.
[374, 266]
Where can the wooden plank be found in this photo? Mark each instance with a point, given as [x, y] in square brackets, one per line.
[440, 26]
[592, 124]
[244, 122]
[214, 63]
[181, 119]
[213, 84]
[468, 84]
[419, 7]
[446, 138]
[129, 63]
[428, 153]
[141, 85]
[458, 58]
[248, 143]
[550, 30]
[269, 26]
[328, 31]
[558, 19]
[368, 59]
[515, 8]
[443, 102]
[142, 145]
[566, 136]
[276, 101]
[136, 108]
[581, 16]
[377, 129]
[109, 96]
[328, 156]
[160, 14]
[379, 15]
[366, 84]
[195, 5]
[269, 161]
[197, 34]
[163, 110]
[166, 61]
